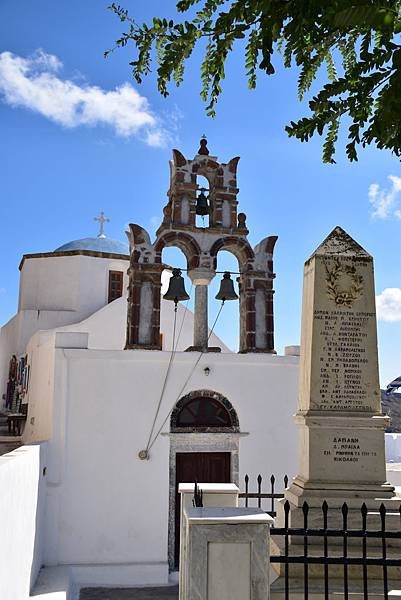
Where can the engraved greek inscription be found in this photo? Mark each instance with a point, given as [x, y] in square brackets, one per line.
[347, 449]
[342, 336]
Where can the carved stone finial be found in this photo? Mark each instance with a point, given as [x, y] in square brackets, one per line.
[203, 146]
[179, 159]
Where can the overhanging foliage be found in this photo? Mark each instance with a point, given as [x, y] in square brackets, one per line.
[356, 40]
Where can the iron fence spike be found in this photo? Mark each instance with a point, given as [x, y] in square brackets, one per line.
[382, 511]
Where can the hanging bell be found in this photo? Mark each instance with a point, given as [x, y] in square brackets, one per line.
[176, 289]
[226, 291]
[202, 207]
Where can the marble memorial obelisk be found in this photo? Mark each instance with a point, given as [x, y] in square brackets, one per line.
[340, 421]
[339, 416]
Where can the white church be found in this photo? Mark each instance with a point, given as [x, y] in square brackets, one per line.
[126, 396]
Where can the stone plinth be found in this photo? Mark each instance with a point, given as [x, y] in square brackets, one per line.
[228, 554]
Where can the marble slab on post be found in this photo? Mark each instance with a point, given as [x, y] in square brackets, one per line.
[228, 554]
[213, 495]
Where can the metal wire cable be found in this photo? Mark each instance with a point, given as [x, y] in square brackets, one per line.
[216, 272]
[173, 352]
[173, 347]
[202, 352]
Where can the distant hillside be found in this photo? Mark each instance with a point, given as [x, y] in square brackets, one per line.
[391, 406]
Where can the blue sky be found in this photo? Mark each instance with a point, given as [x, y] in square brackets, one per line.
[71, 146]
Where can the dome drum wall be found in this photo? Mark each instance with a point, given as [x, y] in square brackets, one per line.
[62, 288]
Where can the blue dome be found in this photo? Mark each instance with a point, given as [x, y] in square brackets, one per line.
[97, 244]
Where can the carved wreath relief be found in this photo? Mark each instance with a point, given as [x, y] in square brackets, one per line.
[344, 283]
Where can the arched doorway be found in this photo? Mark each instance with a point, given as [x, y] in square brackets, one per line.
[204, 443]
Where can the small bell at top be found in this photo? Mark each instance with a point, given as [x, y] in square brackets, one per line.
[202, 207]
[176, 288]
[226, 291]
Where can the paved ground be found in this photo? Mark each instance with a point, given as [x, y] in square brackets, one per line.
[144, 593]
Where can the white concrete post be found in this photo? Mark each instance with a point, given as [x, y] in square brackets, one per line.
[214, 494]
[200, 279]
[227, 554]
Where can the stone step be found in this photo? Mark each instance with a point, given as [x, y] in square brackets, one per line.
[336, 590]
[375, 573]
[142, 593]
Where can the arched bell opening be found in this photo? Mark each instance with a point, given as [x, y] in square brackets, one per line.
[228, 324]
[184, 242]
[203, 202]
[175, 258]
[237, 246]
[241, 249]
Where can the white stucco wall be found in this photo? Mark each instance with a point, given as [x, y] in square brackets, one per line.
[70, 293]
[69, 283]
[40, 352]
[106, 328]
[54, 292]
[22, 501]
[107, 511]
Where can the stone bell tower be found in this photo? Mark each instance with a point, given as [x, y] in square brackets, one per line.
[226, 230]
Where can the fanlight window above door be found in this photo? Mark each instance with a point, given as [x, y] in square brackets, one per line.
[201, 413]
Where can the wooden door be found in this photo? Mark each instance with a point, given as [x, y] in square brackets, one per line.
[203, 467]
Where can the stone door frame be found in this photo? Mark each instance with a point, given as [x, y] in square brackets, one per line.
[198, 442]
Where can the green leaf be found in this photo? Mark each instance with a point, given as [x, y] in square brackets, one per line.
[364, 16]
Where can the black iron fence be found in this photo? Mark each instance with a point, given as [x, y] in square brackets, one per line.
[344, 554]
[353, 556]
[262, 499]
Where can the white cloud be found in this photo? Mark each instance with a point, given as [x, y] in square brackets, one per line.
[386, 203]
[388, 305]
[155, 221]
[34, 83]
